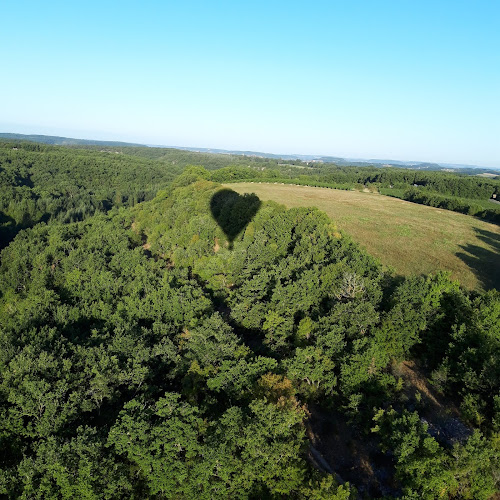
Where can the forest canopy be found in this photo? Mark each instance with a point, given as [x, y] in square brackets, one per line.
[42, 183]
[194, 343]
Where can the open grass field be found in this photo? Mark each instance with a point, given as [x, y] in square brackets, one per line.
[410, 238]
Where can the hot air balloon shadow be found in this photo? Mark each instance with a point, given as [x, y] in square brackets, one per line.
[233, 211]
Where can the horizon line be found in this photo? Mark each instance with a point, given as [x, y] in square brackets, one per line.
[242, 152]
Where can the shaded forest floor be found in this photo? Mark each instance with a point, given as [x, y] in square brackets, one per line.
[355, 457]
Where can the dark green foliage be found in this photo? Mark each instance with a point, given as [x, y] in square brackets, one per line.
[425, 468]
[472, 359]
[151, 353]
[456, 204]
[42, 183]
[415, 306]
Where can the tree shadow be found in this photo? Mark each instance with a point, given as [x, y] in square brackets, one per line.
[484, 261]
[233, 211]
[8, 229]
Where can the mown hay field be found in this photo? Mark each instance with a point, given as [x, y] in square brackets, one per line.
[410, 238]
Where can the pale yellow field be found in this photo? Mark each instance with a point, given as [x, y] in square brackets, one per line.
[410, 238]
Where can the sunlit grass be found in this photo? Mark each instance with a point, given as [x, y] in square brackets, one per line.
[410, 238]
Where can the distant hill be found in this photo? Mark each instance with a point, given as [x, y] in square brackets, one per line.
[62, 141]
[416, 165]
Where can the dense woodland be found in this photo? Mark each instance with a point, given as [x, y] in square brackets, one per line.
[41, 183]
[164, 337]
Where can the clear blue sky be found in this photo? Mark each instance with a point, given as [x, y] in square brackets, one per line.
[414, 80]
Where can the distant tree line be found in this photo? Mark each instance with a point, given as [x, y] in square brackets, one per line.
[43, 183]
[459, 193]
[152, 352]
[456, 204]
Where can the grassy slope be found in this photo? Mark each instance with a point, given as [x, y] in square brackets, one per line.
[411, 238]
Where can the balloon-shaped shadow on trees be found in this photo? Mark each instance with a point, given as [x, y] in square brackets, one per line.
[233, 211]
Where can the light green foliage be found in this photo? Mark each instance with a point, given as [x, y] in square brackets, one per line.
[179, 455]
[310, 369]
[422, 464]
[79, 468]
[271, 444]
[326, 488]
[162, 441]
[145, 355]
[475, 467]
[213, 342]
[238, 378]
